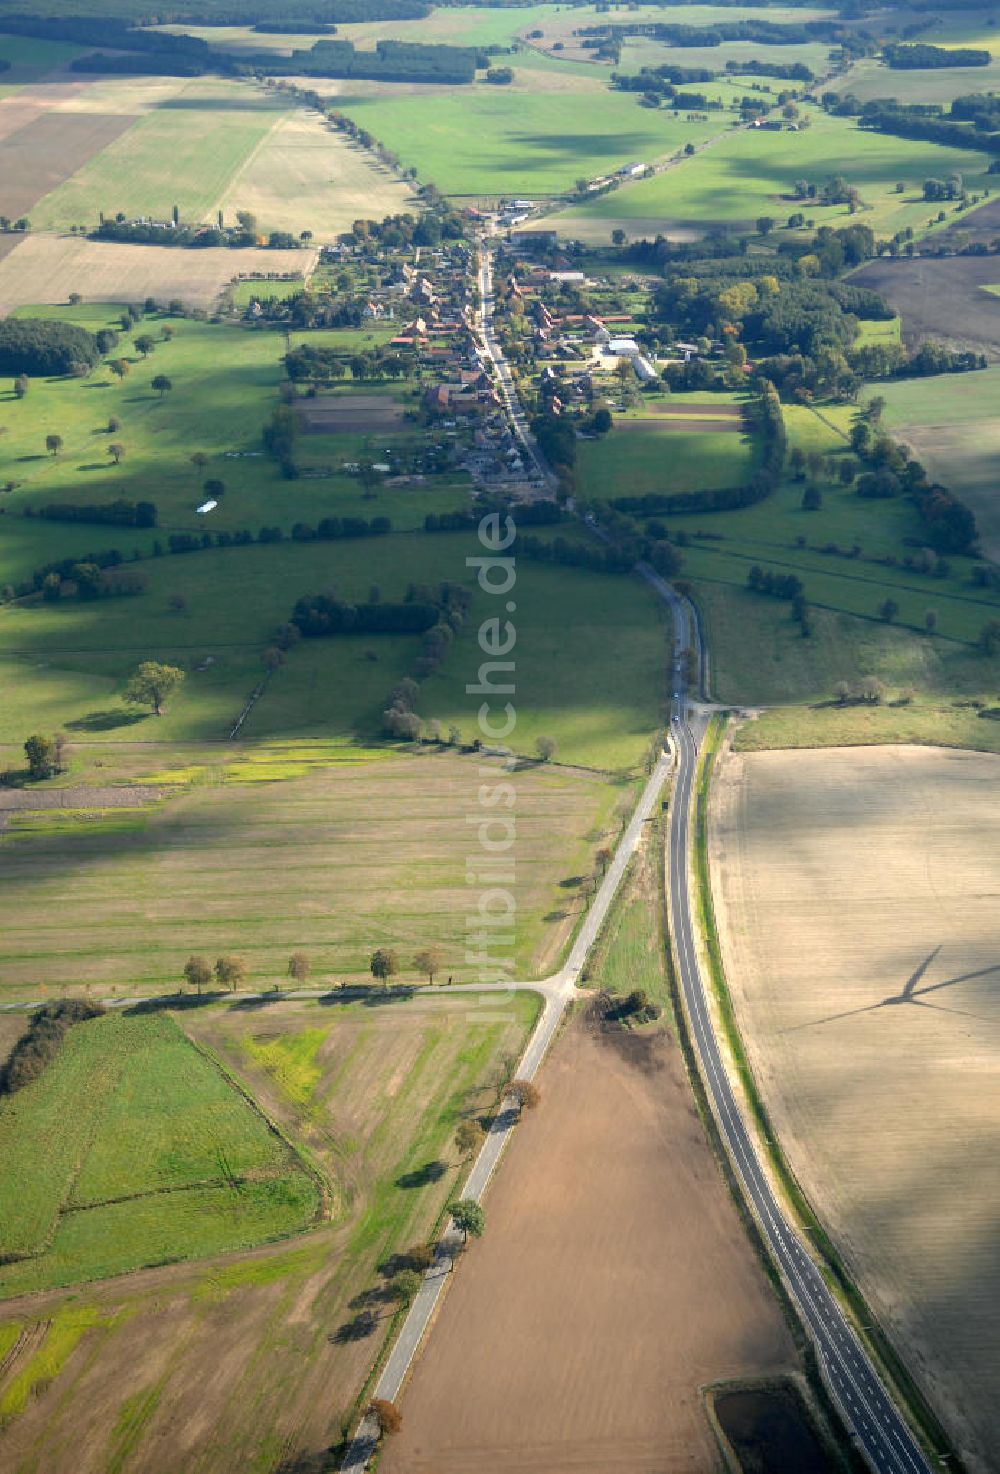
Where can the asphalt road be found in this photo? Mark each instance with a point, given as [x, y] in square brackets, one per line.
[508, 392]
[866, 1406]
[868, 1410]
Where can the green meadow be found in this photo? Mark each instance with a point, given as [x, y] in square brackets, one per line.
[224, 381]
[643, 454]
[30, 58]
[749, 172]
[67, 663]
[953, 425]
[839, 551]
[131, 1148]
[536, 137]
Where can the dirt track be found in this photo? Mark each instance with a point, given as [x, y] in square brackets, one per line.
[614, 1280]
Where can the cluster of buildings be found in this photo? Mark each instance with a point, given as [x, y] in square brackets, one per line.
[600, 342]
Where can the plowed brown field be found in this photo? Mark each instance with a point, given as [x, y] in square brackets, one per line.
[614, 1280]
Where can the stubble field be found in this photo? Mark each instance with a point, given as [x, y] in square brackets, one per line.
[70, 149]
[306, 176]
[366, 849]
[858, 894]
[47, 268]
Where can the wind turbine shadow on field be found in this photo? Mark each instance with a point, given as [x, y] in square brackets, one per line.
[910, 993]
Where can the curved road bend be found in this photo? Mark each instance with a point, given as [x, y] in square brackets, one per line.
[557, 991]
[868, 1409]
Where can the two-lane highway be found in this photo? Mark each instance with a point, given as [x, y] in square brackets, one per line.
[866, 1405]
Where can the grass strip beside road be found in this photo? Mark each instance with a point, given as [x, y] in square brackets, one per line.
[830, 1262]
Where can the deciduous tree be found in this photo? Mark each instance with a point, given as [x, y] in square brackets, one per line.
[469, 1137]
[197, 972]
[526, 1093]
[152, 684]
[230, 971]
[383, 964]
[405, 1286]
[387, 1416]
[41, 754]
[298, 967]
[428, 961]
[468, 1218]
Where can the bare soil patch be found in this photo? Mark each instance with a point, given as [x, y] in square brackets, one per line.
[941, 299]
[46, 268]
[614, 1280]
[29, 103]
[981, 224]
[858, 892]
[350, 414]
[77, 798]
[45, 152]
[688, 410]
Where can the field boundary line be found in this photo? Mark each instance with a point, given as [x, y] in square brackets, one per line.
[234, 179]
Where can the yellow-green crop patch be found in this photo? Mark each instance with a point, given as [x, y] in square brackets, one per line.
[131, 1148]
[291, 1061]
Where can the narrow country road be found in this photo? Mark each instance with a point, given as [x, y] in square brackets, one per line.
[557, 992]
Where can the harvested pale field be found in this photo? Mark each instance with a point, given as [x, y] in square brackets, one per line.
[365, 849]
[110, 94]
[250, 1361]
[306, 176]
[614, 1280]
[46, 268]
[47, 150]
[858, 892]
[352, 414]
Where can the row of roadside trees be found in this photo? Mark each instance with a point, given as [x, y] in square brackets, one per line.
[229, 971]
